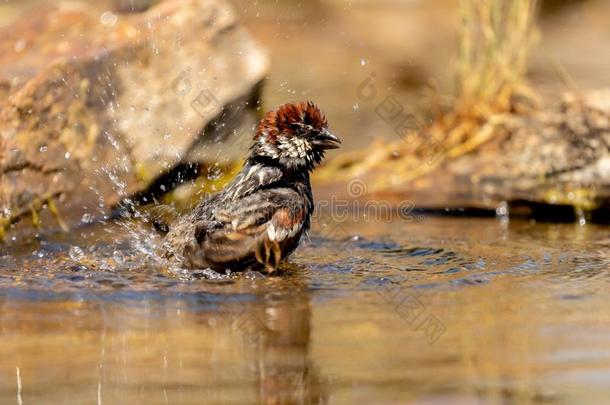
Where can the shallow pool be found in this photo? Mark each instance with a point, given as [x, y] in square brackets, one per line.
[429, 310]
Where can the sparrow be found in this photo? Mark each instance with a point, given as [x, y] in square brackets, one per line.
[259, 218]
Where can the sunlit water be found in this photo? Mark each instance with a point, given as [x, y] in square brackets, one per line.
[433, 310]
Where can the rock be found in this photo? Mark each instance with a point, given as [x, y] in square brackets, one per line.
[560, 157]
[96, 105]
[556, 157]
[549, 163]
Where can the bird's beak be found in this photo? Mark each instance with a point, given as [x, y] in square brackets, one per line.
[326, 140]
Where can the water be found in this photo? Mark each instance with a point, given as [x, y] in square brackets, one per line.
[434, 310]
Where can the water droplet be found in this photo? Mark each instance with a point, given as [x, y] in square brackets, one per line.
[362, 62]
[76, 253]
[214, 172]
[105, 266]
[19, 45]
[502, 209]
[86, 218]
[67, 155]
[108, 18]
[118, 257]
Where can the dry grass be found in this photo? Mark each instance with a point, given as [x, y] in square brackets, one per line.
[495, 39]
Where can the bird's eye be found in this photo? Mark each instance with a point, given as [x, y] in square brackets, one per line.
[300, 128]
[309, 130]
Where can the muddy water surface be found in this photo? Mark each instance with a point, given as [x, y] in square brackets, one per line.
[428, 311]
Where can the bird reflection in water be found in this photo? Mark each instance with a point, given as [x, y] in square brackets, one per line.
[279, 331]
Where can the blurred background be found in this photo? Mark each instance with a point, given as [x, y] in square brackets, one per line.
[324, 49]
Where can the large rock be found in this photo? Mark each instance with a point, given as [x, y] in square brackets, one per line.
[555, 164]
[551, 163]
[94, 105]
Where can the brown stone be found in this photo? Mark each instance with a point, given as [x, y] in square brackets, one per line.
[553, 164]
[94, 105]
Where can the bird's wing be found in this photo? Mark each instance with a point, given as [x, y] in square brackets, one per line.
[250, 179]
[259, 226]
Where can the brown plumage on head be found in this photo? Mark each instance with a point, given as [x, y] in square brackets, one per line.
[286, 116]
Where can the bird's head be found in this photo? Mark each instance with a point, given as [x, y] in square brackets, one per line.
[295, 135]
